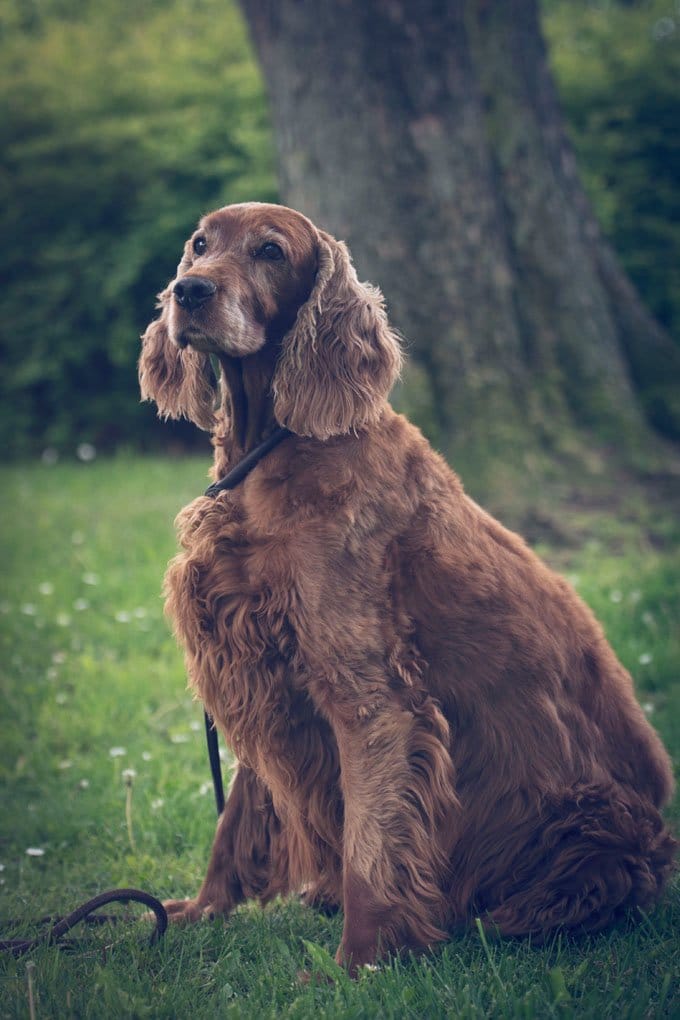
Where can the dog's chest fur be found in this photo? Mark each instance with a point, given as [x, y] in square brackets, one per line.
[262, 568]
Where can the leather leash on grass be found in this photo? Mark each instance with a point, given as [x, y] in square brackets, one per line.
[59, 926]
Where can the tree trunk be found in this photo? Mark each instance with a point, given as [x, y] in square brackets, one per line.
[430, 138]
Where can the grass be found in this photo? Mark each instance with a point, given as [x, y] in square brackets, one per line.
[93, 685]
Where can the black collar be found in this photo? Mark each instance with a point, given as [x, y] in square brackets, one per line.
[245, 466]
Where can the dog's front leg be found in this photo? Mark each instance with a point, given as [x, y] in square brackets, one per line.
[249, 856]
[399, 812]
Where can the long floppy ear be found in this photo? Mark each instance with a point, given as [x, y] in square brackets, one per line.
[340, 359]
[179, 381]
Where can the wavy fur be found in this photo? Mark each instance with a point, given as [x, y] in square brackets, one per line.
[178, 381]
[430, 725]
[341, 358]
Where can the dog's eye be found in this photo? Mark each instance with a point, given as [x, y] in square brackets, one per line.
[270, 251]
[200, 244]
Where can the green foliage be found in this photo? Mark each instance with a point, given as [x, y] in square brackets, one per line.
[617, 66]
[122, 123]
[89, 667]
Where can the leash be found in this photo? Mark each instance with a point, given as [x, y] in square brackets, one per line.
[245, 466]
[213, 742]
[59, 926]
[230, 481]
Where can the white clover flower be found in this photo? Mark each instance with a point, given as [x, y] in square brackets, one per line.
[35, 851]
[195, 725]
[63, 620]
[117, 752]
[28, 609]
[139, 613]
[83, 784]
[46, 588]
[122, 616]
[65, 764]
[146, 756]
[647, 707]
[58, 658]
[615, 595]
[204, 788]
[157, 803]
[645, 658]
[86, 452]
[61, 697]
[90, 578]
[179, 738]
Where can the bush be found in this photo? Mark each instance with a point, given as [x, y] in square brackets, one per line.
[123, 123]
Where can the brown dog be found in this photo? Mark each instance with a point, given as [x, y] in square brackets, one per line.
[429, 723]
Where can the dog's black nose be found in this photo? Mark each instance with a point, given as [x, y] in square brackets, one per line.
[193, 291]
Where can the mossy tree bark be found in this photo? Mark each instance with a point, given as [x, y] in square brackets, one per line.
[429, 136]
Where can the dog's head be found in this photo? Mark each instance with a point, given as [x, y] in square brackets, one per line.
[257, 276]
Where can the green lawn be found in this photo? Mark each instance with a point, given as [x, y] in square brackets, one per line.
[93, 685]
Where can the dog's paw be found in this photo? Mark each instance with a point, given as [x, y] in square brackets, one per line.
[310, 898]
[188, 911]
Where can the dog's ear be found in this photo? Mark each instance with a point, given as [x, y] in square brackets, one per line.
[340, 359]
[181, 382]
